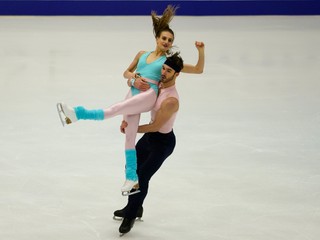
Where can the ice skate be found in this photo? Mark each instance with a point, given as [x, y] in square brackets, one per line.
[130, 187]
[118, 215]
[126, 226]
[67, 114]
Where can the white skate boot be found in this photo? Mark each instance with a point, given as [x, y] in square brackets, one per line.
[67, 114]
[128, 186]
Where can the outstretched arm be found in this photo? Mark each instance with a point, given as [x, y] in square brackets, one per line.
[198, 68]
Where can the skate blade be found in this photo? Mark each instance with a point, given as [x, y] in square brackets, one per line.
[63, 118]
[117, 218]
[61, 114]
[128, 193]
[138, 219]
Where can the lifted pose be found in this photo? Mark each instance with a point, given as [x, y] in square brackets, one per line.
[143, 74]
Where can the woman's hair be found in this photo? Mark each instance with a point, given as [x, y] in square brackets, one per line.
[161, 24]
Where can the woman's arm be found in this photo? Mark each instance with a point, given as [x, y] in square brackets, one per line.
[130, 73]
[198, 68]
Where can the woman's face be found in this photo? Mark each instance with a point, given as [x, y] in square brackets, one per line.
[165, 41]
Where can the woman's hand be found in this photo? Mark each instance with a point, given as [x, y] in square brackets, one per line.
[199, 45]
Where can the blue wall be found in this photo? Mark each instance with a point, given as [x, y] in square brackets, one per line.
[136, 7]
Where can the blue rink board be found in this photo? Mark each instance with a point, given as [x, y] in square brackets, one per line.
[136, 7]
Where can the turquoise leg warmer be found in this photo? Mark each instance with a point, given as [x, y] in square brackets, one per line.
[85, 114]
[131, 165]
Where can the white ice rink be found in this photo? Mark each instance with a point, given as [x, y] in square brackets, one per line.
[247, 162]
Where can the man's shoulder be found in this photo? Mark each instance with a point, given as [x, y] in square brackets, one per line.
[168, 93]
[170, 104]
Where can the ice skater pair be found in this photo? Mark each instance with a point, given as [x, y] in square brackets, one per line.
[144, 75]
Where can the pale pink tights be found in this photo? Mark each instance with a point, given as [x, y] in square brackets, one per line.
[131, 108]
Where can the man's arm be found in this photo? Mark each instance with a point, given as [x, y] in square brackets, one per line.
[168, 107]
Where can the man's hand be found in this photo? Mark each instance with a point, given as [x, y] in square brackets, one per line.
[123, 126]
[141, 84]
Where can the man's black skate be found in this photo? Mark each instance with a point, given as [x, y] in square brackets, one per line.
[126, 225]
[119, 214]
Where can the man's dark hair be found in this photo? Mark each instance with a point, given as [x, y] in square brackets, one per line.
[175, 62]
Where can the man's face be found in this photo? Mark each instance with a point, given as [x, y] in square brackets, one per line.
[167, 73]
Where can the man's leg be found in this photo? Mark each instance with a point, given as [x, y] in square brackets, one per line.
[150, 159]
[152, 150]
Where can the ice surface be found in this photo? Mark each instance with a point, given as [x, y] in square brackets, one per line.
[247, 162]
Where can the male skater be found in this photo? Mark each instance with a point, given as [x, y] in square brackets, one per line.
[159, 140]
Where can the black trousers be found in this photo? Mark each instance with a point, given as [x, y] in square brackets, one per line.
[152, 150]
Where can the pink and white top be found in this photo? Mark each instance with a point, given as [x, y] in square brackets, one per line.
[164, 94]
